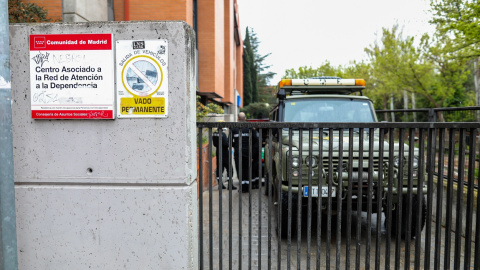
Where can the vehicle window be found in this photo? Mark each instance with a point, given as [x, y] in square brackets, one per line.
[328, 110]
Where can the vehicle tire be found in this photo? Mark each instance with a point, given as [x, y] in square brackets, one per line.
[415, 208]
[283, 206]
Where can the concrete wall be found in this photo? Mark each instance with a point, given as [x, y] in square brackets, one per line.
[107, 194]
[85, 10]
[219, 117]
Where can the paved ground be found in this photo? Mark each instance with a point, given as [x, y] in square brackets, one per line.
[245, 231]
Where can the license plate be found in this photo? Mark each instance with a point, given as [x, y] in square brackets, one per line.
[315, 191]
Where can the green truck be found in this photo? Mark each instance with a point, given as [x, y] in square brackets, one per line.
[297, 159]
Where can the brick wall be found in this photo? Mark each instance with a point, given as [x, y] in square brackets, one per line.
[119, 10]
[164, 10]
[238, 55]
[208, 48]
[239, 71]
[205, 169]
[219, 59]
[229, 52]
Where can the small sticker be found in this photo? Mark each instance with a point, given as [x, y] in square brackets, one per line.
[137, 45]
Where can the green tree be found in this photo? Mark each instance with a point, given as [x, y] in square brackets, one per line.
[255, 76]
[399, 67]
[256, 110]
[450, 87]
[387, 64]
[20, 12]
[263, 77]
[326, 69]
[267, 94]
[249, 72]
[461, 21]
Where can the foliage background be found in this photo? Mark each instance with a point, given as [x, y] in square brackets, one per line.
[435, 71]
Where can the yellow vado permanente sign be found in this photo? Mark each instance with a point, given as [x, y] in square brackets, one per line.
[143, 89]
[143, 106]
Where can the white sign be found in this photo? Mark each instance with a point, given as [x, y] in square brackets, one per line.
[142, 78]
[72, 76]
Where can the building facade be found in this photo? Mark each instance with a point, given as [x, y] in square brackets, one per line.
[217, 27]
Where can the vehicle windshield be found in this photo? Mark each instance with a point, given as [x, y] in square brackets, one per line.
[328, 110]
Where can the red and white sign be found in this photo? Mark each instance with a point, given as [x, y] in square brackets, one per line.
[72, 76]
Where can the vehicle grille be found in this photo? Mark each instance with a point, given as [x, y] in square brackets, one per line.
[356, 160]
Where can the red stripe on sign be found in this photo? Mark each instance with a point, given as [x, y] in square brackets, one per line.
[72, 114]
[70, 42]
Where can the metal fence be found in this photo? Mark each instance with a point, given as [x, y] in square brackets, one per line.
[421, 177]
[451, 114]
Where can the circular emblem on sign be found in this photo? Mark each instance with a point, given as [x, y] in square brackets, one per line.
[142, 76]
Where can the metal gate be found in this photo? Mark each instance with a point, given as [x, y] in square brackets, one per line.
[389, 195]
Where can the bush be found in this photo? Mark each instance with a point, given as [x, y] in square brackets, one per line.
[203, 110]
[256, 110]
[19, 12]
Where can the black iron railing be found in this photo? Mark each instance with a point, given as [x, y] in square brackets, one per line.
[450, 114]
[414, 206]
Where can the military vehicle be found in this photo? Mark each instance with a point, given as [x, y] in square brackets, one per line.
[298, 160]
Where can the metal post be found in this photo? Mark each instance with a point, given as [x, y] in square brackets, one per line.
[432, 115]
[8, 234]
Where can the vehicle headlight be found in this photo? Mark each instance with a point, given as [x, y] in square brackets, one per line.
[396, 161]
[416, 162]
[295, 162]
[314, 161]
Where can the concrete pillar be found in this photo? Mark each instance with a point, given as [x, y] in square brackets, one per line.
[85, 10]
[107, 194]
[8, 240]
